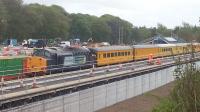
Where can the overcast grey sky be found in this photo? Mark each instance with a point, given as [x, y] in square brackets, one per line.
[139, 12]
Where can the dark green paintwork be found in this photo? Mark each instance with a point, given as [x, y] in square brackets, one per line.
[11, 66]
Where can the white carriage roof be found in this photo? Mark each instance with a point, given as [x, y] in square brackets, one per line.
[145, 46]
[170, 39]
[110, 48]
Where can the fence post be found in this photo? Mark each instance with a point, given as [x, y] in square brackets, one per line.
[34, 85]
[2, 83]
[21, 82]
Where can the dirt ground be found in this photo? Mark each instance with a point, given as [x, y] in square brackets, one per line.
[142, 103]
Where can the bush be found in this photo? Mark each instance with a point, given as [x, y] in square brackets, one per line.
[166, 105]
[185, 96]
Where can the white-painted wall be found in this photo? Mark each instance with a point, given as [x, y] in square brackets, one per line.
[96, 98]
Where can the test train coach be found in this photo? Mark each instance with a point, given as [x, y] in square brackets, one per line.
[55, 59]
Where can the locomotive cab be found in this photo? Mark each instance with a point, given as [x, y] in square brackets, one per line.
[65, 59]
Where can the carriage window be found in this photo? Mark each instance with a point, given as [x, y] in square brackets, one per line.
[116, 54]
[104, 55]
[99, 55]
[108, 55]
[126, 53]
[112, 54]
[122, 53]
[119, 54]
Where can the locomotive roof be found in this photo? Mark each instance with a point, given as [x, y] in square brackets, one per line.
[76, 49]
[56, 51]
[67, 50]
[111, 48]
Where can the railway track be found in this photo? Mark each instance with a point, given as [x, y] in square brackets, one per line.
[11, 87]
[75, 75]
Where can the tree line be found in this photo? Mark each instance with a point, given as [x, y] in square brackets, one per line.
[23, 21]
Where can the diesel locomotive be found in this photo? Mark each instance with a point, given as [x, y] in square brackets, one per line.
[55, 59]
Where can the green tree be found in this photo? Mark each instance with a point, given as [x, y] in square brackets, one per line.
[163, 30]
[3, 19]
[120, 29]
[47, 22]
[80, 27]
[143, 33]
[100, 31]
[13, 19]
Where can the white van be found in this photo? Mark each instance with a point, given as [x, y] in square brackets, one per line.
[64, 43]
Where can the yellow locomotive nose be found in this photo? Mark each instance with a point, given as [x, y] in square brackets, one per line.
[35, 64]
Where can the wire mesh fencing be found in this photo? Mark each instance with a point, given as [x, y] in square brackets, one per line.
[95, 98]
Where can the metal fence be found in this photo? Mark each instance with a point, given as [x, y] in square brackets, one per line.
[93, 99]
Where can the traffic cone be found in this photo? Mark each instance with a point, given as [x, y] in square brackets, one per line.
[90, 71]
[17, 53]
[133, 68]
[34, 85]
[21, 83]
[2, 81]
[93, 66]
[150, 58]
[108, 69]
[158, 62]
[120, 66]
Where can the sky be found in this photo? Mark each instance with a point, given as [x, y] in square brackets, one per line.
[147, 13]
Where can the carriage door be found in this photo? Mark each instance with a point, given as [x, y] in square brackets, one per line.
[133, 54]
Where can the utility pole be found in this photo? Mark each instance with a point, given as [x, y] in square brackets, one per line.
[119, 41]
[122, 35]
